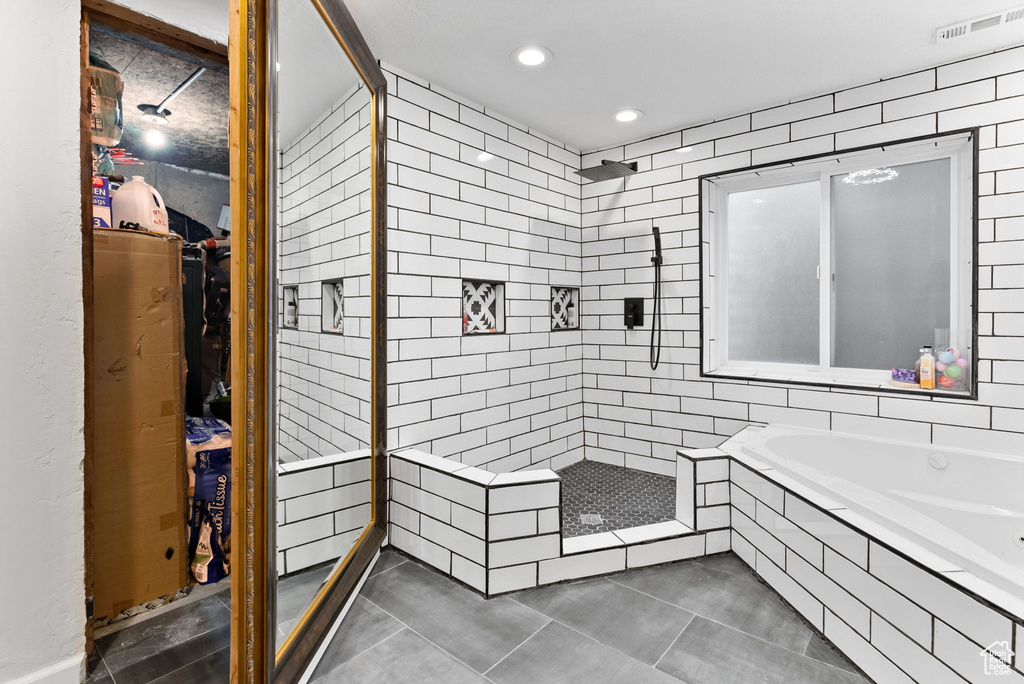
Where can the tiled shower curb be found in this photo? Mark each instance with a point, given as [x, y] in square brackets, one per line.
[501, 532]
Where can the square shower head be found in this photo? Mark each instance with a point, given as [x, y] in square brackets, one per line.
[608, 170]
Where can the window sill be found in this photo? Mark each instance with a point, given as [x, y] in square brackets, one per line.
[852, 382]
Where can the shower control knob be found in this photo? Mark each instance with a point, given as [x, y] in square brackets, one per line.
[938, 461]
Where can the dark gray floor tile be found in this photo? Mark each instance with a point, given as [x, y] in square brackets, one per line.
[731, 597]
[387, 560]
[405, 658]
[96, 669]
[365, 626]
[617, 616]
[174, 658]
[477, 631]
[295, 592]
[818, 649]
[213, 669]
[152, 637]
[560, 655]
[709, 653]
[225, 597]
[725, 562]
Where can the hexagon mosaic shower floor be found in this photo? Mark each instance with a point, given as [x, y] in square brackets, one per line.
[599, 497]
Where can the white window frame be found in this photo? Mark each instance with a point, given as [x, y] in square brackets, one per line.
[715, 190]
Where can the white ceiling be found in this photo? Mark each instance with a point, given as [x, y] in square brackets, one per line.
[314, 71]
[681, 62]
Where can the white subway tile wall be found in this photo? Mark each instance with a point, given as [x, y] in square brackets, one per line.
[473, 196]
[323, 505]
[617, 244]
[324, 390]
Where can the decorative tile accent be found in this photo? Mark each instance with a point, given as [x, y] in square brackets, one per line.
[332, 309]
[598, 497]
[290, 310]
[483, 307]
[565, 308]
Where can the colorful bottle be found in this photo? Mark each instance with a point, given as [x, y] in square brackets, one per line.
[926, 369]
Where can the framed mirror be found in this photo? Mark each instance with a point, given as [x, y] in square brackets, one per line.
[312, 316]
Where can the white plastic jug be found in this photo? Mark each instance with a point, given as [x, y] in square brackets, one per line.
[138, 202]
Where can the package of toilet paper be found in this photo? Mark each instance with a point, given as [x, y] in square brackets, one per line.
[208, 447]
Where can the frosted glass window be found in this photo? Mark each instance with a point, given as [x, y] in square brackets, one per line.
[890, 263]
[773, 250]
[837, 269]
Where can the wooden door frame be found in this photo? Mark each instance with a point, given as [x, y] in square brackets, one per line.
[121, 18]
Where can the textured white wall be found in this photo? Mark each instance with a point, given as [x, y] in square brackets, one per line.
[42, 377]
[42, 374]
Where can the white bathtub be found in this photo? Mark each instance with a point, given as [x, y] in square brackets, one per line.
[970, 513]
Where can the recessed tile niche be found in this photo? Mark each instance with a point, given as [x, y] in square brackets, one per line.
[565, 308]
[483, 307]
[332, 308]
[290, 309]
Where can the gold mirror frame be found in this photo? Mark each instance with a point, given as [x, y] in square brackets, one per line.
[252, 47]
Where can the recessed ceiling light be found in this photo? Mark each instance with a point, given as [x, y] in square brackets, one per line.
[627, 115]
[531, 55]
[155, 138]
[484, 157]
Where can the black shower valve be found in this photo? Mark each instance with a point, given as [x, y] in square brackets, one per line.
[633, 312]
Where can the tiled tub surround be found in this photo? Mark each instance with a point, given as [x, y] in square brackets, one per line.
[501, 532]
[325, 239]
[900, 612]
[475, 197]
[639, 417]
[323, 505]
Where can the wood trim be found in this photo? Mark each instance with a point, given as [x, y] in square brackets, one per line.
[85, 127]
[251, 627]
[120, 17]
[297, 653]
[343, 26]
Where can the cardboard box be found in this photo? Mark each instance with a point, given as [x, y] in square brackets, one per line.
[139, 480]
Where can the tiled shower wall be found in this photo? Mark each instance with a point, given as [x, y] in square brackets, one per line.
[325, 235]
[474, 196]
[639, 417]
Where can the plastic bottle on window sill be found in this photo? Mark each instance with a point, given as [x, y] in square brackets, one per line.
[926, 369]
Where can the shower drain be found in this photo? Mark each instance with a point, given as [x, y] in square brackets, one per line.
[1018, 539]
[591, 519]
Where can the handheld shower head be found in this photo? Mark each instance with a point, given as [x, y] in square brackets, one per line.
[656, 322]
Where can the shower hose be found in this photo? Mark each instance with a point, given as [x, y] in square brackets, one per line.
[656, 313]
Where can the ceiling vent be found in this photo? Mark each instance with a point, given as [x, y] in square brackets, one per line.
[963, 28]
